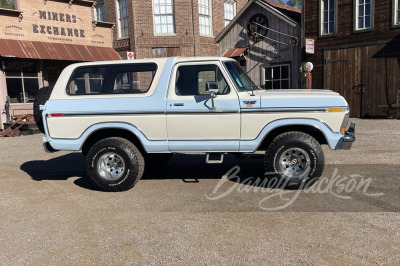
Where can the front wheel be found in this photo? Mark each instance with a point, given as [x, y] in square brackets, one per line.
[114, 164]
[297, 158]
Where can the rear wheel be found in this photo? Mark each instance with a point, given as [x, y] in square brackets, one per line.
[40, 99]
[114, 164]
[297, 158]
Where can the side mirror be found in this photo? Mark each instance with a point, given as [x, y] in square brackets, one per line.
[212, 86]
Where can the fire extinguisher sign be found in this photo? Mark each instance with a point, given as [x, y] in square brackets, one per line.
[130, 55]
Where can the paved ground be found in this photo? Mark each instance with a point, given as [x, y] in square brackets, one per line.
[189, 213]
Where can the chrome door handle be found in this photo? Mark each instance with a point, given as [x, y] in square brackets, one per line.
[178, 104]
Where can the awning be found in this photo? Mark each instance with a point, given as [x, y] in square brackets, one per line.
[234, 52]
[56, 51]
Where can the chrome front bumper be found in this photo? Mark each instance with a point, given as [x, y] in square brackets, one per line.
[349, 137]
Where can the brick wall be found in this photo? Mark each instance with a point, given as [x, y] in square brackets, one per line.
[187, 37]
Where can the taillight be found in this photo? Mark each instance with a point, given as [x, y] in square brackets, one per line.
[56, 115]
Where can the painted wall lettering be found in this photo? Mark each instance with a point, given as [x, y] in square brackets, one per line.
[56, 21]
[49, 15]
[53, 30]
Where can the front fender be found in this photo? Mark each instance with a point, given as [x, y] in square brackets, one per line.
[333, 138]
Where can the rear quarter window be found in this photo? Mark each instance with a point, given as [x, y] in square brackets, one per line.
[112, 79]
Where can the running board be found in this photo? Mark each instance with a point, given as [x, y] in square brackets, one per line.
[214, 158]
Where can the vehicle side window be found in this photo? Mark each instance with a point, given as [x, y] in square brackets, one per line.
[112, 79]
[191, 80]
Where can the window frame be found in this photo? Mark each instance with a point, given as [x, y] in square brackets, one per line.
[119, 18]
[164, 15]
[125, 67]
[233, 2]
[321, 34]
[22, 78]
[96, 13]
[396, 14]
[15, 6]
[175, 95]
[210, 17]
[356, 29]
[264, 68]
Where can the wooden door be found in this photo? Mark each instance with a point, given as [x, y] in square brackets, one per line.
[367, 78]
[343, 75]
[374, 76]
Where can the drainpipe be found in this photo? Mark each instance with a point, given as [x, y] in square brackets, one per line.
[194, 36]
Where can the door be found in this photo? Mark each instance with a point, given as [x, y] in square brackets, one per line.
[193, 124]
[343, 69]
[366, 77]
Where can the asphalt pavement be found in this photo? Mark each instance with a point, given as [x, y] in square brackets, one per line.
[189, 212]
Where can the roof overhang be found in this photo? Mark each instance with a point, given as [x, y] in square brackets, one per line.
[55, 51]
[234, 52]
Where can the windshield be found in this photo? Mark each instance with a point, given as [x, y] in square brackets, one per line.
[241, 79]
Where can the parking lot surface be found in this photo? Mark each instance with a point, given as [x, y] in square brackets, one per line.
[189, 212]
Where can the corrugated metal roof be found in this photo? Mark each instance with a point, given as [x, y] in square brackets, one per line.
[56, 51]
[74, 52]
[41, 50]
[280, 6]
[84, 53]
[234, 52]
[29, 50]
[11, 48]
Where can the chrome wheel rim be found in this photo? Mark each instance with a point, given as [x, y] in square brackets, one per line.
[294, 163]
[110, 166]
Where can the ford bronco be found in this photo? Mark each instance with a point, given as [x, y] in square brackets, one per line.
[126, 116]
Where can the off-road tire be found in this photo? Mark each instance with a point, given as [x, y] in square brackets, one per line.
[123, 149]
[41, 98]
[295, 142]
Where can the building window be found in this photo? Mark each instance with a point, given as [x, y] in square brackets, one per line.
[22, 84]
[230, 11]
[7, 4]
[164, 16]
[364, 18]
[123, 24]
[328, 17]
[396, 12]
[99, 13]
[277, 77]
[205, 18]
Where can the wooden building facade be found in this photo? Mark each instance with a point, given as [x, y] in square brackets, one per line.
[357, 52]
[264, 38]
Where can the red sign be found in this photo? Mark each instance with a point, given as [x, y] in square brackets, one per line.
[130, 55]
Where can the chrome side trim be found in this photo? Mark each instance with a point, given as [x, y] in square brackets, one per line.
[285, 110]
[205, 112]
[116, 113]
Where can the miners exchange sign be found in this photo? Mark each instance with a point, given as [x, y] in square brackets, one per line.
[58, 30]
[55, 21]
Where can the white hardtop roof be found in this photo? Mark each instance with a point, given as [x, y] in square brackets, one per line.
[161, 60]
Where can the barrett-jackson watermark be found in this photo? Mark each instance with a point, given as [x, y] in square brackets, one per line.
[274, 187]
